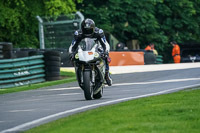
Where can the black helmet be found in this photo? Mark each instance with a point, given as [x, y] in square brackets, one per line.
[88, 27]
[173, 42]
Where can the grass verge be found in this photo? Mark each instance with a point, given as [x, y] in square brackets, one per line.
[67, 76]
[171, 113]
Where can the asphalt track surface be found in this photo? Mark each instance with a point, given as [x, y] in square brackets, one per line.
[23, 110]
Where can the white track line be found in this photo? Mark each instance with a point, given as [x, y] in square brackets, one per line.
[70, 88]
[22, 126]
[157, 82]
[16, 111]
[138, 83]
[43, 97]
[24, 100]
[68, 94]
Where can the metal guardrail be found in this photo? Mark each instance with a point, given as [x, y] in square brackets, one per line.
[21, 71]
[159, 59]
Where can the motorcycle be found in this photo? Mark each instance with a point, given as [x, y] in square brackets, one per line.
[90, 67]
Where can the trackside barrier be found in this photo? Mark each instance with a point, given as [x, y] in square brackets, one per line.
[159, 59]
[149, 57]
[6, 50]
[126, 58]
[21, 71]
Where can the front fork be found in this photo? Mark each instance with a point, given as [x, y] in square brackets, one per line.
[92, 74]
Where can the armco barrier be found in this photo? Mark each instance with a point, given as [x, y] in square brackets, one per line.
[159, 59]
[126, 58]
[21, 71]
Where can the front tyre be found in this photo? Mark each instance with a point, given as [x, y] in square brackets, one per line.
[87, 85]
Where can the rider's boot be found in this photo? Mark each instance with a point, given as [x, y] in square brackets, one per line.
[108, 78]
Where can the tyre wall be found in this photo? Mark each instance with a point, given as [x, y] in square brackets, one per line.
[149, 58]
[52, 65]
[6, 49]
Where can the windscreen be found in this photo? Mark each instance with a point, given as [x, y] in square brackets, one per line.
[87, 44]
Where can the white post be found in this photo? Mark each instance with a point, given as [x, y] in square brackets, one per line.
[41, 32]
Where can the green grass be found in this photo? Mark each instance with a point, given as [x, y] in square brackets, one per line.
[66, 78]
[171, 113]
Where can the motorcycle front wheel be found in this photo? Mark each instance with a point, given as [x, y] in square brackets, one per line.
[98, 95]
[87, 85]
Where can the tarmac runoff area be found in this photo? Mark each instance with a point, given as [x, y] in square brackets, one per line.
[146, 68]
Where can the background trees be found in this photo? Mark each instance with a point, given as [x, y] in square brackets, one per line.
[158, 21]
[18, 23]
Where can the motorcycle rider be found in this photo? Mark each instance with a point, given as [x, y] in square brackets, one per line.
[88, 30]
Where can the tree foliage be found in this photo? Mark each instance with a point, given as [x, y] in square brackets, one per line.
[18, 23]
[158, 21]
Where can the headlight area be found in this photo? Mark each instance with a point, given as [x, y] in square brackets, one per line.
[96, 55]
[76, 56]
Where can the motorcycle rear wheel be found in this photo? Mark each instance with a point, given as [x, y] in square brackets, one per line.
[87, 85]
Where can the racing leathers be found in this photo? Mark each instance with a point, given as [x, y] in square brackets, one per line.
[99, 36]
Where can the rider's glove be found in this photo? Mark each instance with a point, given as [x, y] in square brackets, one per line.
[71, 56]
[105, 54]
[108, 59]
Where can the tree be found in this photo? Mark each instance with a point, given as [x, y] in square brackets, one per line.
[18, 23]
[158, 21]
[178, 21]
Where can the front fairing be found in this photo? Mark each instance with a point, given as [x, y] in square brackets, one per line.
[88, 51]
